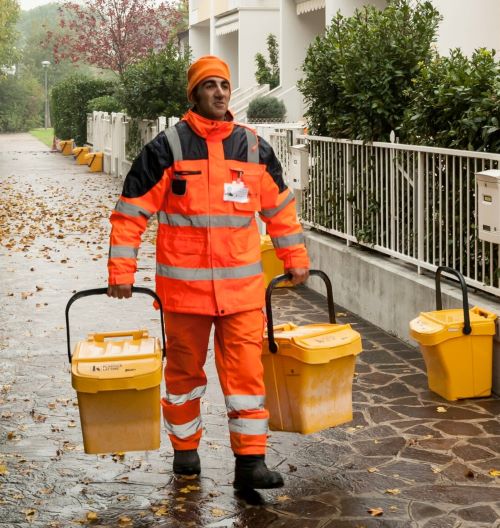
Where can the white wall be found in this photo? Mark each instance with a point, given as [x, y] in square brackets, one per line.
[199, 41]
[468, 24]
[347, 7]
[255, 26]
[226, 47]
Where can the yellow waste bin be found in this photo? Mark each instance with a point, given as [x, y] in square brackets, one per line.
[66, 147]
[308, 371]
[80, 155]
[117, 377]
[457, 346]
[94, 161]
[271, 264]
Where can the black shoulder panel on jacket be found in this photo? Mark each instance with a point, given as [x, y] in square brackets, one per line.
[193, 146]
[236, 145]
[273, 166]
[147, 169]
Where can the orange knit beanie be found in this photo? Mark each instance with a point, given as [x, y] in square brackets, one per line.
[206, 66]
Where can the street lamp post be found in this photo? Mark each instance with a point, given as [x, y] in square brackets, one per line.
[45, 65]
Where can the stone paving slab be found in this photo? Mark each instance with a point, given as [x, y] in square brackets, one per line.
[424, 461]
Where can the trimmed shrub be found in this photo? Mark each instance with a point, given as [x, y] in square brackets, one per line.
[156, 86]
[105, 103]
[455, 103]
[358, 73]
[69, 101]
[266, 108]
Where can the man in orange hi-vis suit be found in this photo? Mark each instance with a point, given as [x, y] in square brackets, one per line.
[205, 178]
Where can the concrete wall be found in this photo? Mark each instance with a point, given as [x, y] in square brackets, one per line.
[468, 25]
[386, 292]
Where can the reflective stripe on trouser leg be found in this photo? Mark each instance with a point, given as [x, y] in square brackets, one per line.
[238, 350]
[184, 377]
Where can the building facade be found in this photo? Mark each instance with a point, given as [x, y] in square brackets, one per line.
[237, 29]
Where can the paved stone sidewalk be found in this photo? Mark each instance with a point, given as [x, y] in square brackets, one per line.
[423, 461]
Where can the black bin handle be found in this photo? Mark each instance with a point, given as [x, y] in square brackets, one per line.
[273, 347]
[465, 300]
[104, 291]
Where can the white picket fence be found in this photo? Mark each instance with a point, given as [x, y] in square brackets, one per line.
[108, 133]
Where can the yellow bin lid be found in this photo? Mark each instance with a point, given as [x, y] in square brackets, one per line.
[104, 363]
[432, 328]
[317, 343]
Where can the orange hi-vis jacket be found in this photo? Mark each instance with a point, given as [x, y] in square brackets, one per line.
[208, 245]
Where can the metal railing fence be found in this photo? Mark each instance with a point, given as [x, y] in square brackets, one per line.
[415, 203]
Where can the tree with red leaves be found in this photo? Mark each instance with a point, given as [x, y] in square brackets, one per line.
[111, 34]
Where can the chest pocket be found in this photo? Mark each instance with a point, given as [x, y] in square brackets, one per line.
[179, 183]
[251, 179]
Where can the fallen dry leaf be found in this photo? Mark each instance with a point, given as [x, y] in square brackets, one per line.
[282, 498]
[124, 521]
[3, 470]
[161, 512]
[30, 514]
[91, 516]
[393, 491]
[441, 409]
[376, 512]
[217, 512]
[372, 469]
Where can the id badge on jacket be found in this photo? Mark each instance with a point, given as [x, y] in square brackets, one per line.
[236, 191]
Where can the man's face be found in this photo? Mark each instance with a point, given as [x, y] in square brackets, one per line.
[212, 98]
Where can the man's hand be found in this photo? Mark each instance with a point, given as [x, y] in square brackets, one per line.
[120, 291]
[299, 275]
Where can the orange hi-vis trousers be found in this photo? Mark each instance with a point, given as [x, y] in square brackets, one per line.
[238, 349]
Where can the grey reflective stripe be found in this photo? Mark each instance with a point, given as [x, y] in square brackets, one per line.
[196, 274]
[244, 402]
[184, 430]
[179, 399]
[253, 149]
[123, 252]
[179, 220]
[269, 213]
[248, 426]
[288, 240]
[175, 143]
[131, 209]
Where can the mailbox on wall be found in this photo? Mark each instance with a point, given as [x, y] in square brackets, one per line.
[488, 205]
[299, 167]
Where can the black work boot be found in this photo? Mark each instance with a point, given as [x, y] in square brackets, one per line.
[187, 462]
[251, 472]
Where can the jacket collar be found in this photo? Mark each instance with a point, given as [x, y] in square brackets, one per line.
[208, 128]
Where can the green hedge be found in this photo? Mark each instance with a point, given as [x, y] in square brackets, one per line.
[266, 108]
[69, 105]
[105, 103]
[357, 74]
[455, 102]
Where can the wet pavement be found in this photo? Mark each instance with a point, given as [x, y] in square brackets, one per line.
[408, 458]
